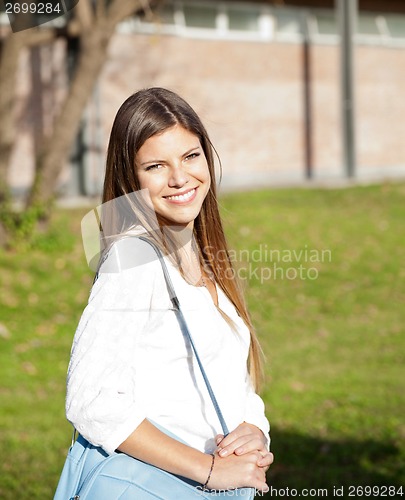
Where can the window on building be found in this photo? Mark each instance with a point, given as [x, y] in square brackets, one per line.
[326, 23]
[396, 25]
[256, 21]
[200, 16]
[287, 22]
[367, 25]
[243, 19]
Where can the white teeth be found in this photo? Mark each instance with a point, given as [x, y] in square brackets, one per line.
[182, 197]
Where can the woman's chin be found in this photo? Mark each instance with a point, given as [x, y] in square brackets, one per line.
[177, 220]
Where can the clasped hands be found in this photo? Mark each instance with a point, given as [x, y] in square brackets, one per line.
[249, 443]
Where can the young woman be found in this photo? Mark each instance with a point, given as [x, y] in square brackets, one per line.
[132, 375]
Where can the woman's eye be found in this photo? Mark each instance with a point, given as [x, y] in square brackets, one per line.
[193, 155]
[156, 166]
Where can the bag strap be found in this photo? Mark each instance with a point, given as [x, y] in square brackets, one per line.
[186, 332]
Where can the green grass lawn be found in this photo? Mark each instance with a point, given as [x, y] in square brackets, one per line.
[325, 284]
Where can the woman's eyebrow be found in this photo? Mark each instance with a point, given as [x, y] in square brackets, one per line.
[151, 161]
[191, 150]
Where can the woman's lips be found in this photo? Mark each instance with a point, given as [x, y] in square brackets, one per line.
[182, 199]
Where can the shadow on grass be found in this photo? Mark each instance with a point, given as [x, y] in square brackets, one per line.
[315, 463]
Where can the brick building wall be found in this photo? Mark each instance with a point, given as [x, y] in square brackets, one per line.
[380, 107]
[250, 96]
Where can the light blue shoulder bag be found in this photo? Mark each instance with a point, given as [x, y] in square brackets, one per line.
[90, 473]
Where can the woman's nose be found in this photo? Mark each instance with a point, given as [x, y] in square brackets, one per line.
[178, 176]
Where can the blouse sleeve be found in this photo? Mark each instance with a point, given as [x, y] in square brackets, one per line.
[101, 384]
[254, 413]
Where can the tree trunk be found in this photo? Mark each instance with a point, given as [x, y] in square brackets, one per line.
[10, 55]
[8, 71]
[55, 152]
[12, 47]
[94, 24]
[97, 28]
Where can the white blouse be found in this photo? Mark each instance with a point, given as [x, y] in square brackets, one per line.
[130, 361]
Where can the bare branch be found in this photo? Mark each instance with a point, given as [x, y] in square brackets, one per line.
[74, 27]
[100, 9]
[145, 4]
[120, 9]
[38, 36]
[84, 15]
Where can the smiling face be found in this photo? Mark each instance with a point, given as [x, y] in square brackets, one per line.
[173, 167]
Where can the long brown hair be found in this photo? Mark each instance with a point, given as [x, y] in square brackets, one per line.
[143, 115]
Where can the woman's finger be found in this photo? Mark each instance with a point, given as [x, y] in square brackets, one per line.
[218, 438]
[227, 448]
[242, 445]
[253, 444]
[266, 460]
[242, 431]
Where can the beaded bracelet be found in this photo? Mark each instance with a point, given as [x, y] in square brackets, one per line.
[204, 488]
